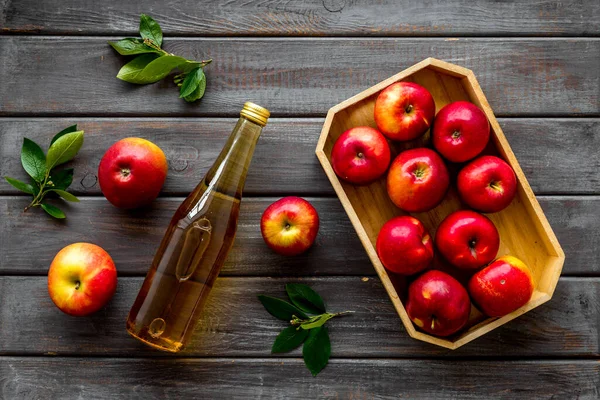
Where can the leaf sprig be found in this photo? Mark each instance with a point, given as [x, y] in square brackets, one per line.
[153, 63]
[41, 168]
[309, 330]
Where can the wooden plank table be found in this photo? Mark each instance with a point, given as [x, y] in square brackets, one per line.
[537, 62]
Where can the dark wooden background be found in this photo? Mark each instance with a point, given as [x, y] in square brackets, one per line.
[539, 65]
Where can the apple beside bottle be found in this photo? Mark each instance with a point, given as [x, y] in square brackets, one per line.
[132, 173]
[82, 279]
[290, 225]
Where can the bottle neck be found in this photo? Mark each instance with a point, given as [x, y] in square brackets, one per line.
[228, 173]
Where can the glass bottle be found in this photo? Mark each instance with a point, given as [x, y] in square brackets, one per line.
[196, 243]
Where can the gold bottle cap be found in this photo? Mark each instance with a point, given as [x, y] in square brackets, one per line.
[255, 113]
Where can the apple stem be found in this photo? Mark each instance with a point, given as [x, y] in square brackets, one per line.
[496, 186]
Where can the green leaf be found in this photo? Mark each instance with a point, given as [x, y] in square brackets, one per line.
[130, 71]
[306, 299]
[22, 186]
[150, 29]
[35, 185]
[316, 350]
[61, 179]
[289, 338]
[131, 46]
[33, 160]
[198, 92]
[189, 66]
[143, 70]
[280, 309]
[191, 82]
[72, 128]
[67, 196]
[54, 211]
[316, 322]
[64, 149]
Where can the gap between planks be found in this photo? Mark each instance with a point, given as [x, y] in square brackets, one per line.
[169, 357]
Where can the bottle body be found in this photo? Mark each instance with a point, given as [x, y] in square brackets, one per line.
[194, 248]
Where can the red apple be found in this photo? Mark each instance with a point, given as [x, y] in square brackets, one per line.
[418, 180]
[360, 155]
[132, 172]
[487, 184]
[404, 111]
[82, 279]
[404, 246]
[461, 131]
[467, 239]
[438, 304]
[290, 225]
[501, 287]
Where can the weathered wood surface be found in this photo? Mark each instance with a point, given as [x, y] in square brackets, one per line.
[235, 324]
[131, 237]
[557, 155]
[76, 378]
[50, 81]
[308, 18]
[293, 77]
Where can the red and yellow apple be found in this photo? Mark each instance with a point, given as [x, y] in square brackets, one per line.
[438, 304]
[360, 155]
[467, 239]
[502, 287]
[132, 172]
[404, 246]
[82, 279]
[461, 131]
[487, 184]
[417, 180]
[290, 225]
[404, 111]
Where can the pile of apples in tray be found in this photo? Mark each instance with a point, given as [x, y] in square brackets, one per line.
[417, 181]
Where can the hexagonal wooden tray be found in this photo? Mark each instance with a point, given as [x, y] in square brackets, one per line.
[524, 230]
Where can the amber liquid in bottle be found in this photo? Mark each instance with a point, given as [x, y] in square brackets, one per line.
[196, 244]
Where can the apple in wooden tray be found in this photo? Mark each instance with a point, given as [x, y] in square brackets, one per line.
[502, 287]
[360, 155]
[468, 240]
[461, 131]
[82, 279]
[487, 184]
[417, 180]
[290, 225]
[438, 304]
[404, 246]
[404, 111]
[132, 173]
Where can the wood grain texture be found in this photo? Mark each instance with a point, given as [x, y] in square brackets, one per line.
[75, 378]
[284, 161]
[549, 151]
[132, 237]
[235, 324]
[292, 77]
[308, 18]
